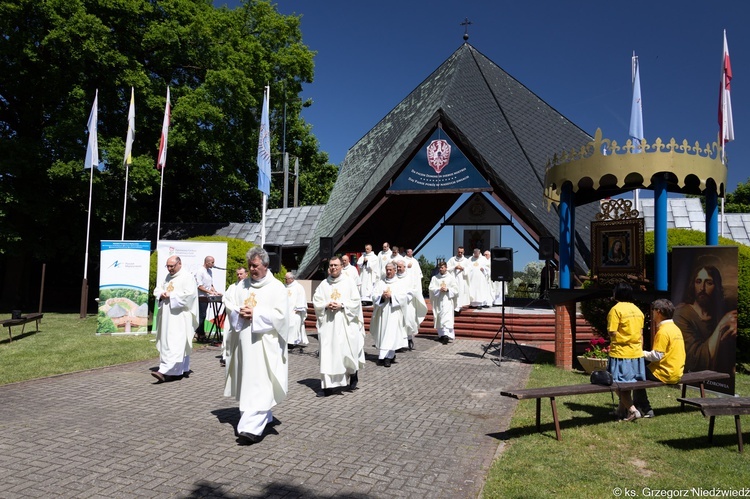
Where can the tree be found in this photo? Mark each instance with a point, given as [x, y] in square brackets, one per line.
[739, 200]
[55, 54]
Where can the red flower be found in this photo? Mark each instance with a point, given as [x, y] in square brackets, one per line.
[598, 350]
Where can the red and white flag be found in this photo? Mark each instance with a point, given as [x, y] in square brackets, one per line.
[726, 126]
[162, 158]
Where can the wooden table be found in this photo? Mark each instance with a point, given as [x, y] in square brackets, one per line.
[725, 406]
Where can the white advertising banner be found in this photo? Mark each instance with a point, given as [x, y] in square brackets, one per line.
[192, 254]
[123, 287]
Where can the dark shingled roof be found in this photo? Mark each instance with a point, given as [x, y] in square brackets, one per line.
[505, 130]
[288, 227]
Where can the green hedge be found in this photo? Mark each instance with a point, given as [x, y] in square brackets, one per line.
[595, 311]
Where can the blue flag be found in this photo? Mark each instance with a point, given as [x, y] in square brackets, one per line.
[636, 111]
[264, 149]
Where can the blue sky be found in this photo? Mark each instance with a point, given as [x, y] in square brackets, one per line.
[575, 55]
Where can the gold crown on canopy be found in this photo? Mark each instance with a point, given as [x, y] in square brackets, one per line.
[603, 168]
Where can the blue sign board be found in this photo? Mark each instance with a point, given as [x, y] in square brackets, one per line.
[439, 165]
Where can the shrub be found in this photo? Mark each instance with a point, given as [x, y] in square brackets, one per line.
[427, 268]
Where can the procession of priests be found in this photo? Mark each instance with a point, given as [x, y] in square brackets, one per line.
[263, 318]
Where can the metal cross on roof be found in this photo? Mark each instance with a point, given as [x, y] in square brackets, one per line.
[466, 24]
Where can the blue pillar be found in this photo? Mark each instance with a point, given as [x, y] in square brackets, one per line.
[712, 218]
[566, 239]
[660, 234]
[572, 250]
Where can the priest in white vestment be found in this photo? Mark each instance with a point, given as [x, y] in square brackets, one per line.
[417, 307]
[229, 335]
[384, 257]
[349, 270]
[479, 287]
[412, 266]
[443, 293]
[258, 309]
[369, 273]
[177, 309]
[395, 254]
[458, 266]
[390, 308]
[297, 312]
[339, 314]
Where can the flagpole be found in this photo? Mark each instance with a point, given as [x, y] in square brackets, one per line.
[84, 285]
[128, 155]
[268, 131]
[726, 123]
[88, 226]
[92, 161]
[635, 120]
[161, 160]
[158, 222]
[263, 222]
[125, 204]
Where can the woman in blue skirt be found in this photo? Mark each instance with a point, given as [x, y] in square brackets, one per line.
[626, 364]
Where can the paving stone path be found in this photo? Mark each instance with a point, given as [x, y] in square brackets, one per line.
[429, 426]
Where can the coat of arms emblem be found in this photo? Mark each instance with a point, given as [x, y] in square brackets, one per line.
[438, 154]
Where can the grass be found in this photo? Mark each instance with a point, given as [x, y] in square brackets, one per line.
[66, 343]
[597, 454]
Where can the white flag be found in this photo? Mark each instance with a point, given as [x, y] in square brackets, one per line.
[131, 130]
[92, 149]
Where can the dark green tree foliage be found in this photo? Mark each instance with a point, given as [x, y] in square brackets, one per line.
[55, 54]
[739, 200]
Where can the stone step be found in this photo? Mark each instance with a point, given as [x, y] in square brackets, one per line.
[532, 326]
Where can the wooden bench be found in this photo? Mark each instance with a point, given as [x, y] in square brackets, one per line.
[22, 321]
[694, 378]
[725, 406]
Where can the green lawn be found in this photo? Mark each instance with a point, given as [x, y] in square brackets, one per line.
[597, 454]
[66, 343]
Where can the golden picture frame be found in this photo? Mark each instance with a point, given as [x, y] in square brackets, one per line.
[617, 249]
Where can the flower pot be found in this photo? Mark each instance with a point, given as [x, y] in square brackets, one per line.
[589, 365]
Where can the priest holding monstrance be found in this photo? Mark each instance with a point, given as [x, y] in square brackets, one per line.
[258, 379]
[177, 309]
